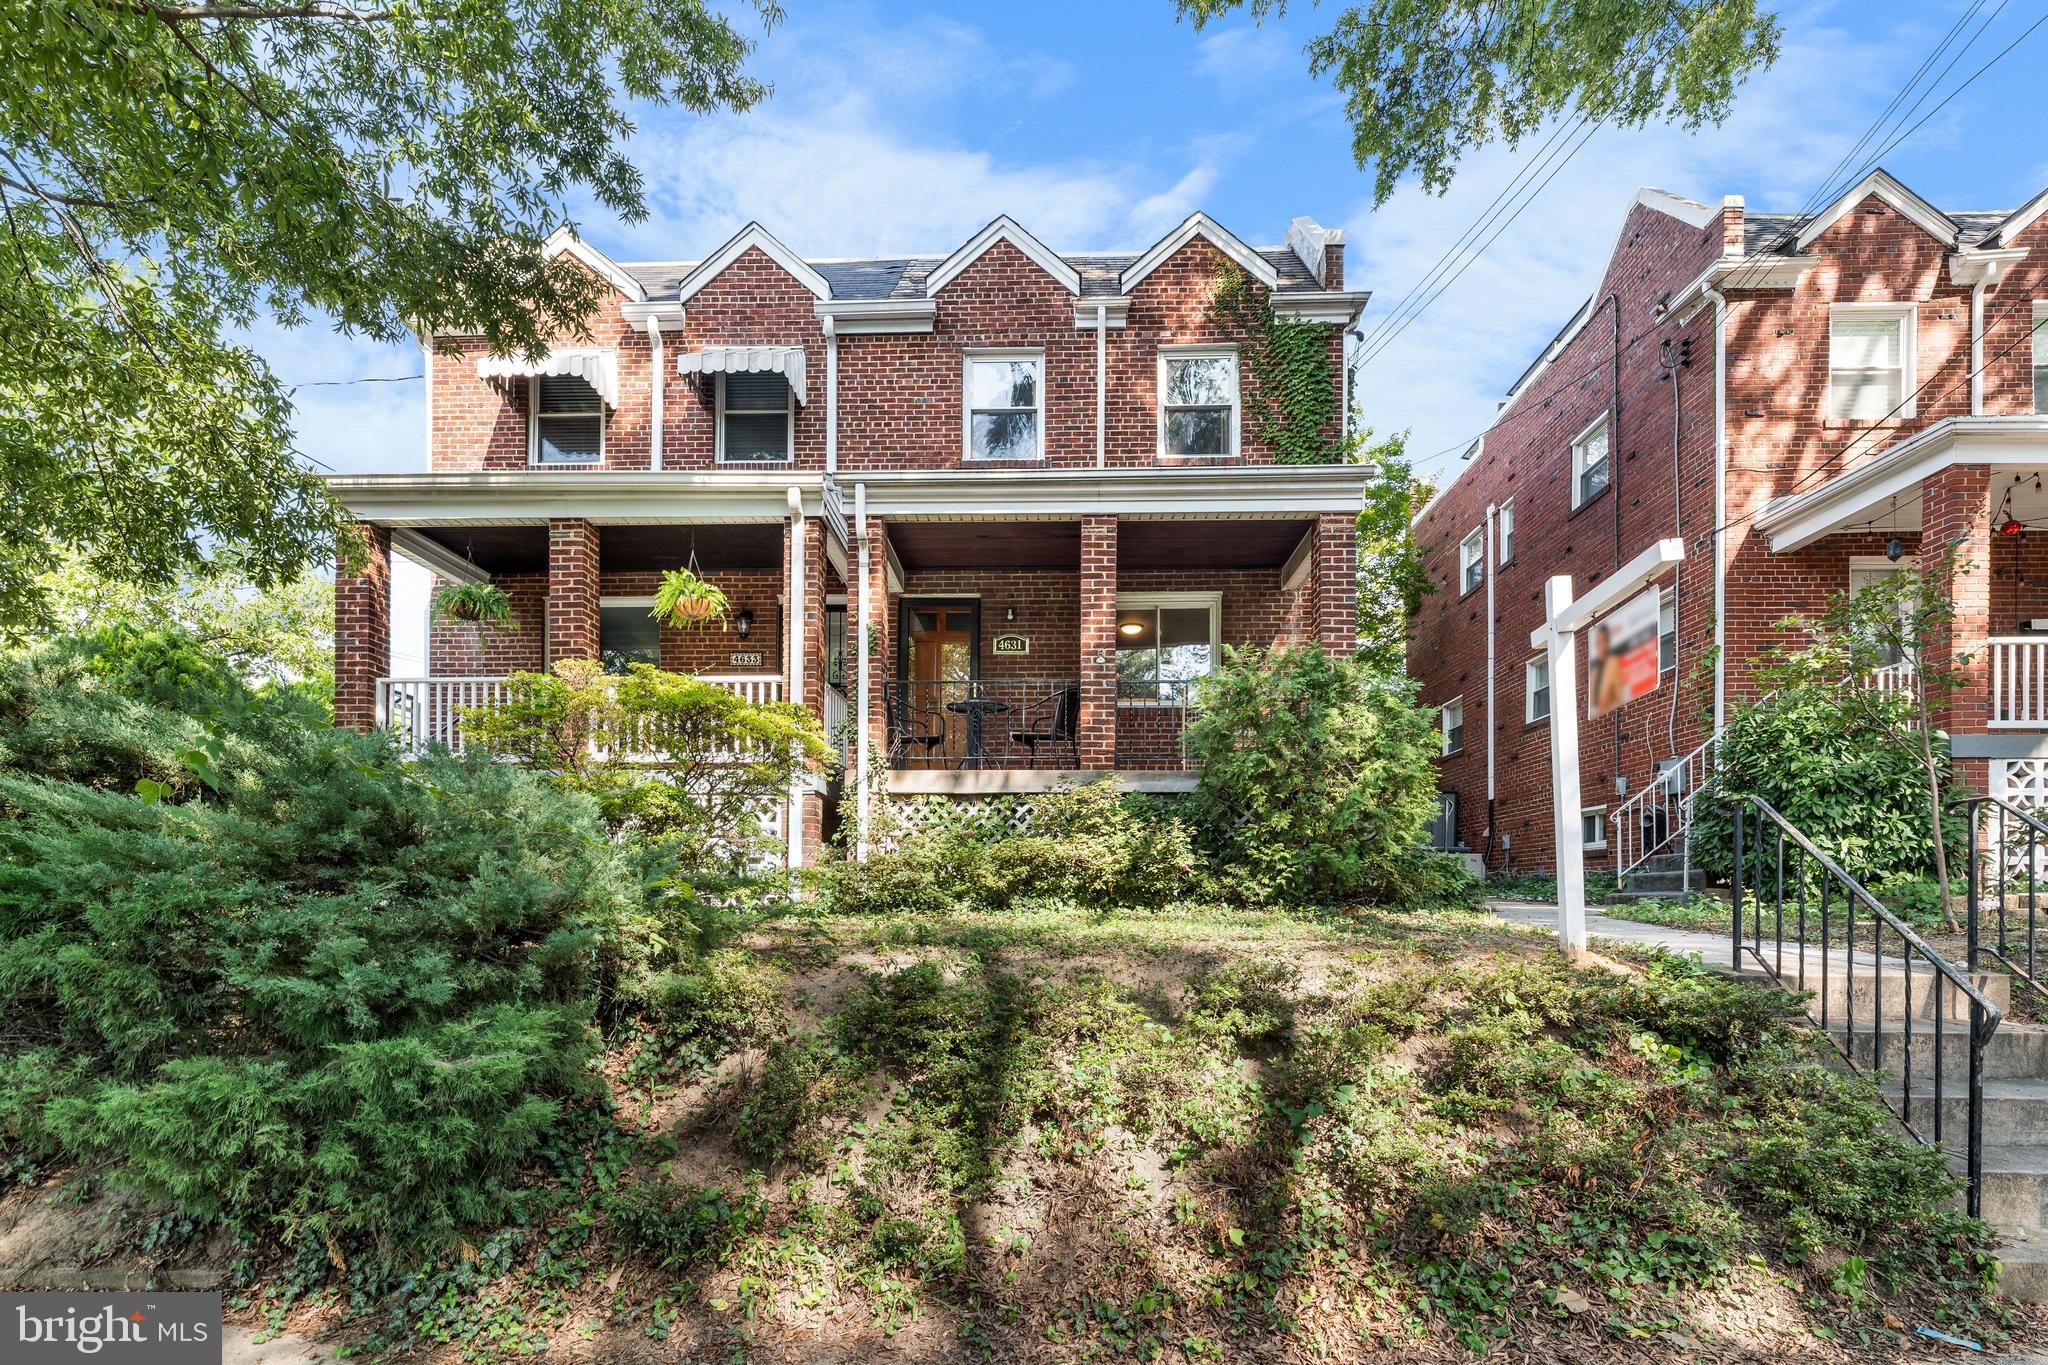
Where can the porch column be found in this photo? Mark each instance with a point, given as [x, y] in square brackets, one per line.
[362, 629]
[870, 621]
[811, 808]
[572, 589]
[1955, 510]
[1095, 735]
[1336, 583]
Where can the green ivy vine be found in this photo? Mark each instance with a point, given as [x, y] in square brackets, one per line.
[1294, 409]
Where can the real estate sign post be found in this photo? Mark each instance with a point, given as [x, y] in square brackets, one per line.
[1564, 617]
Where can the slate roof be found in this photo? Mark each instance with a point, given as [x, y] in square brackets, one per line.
[903, 277]
[1772, 234]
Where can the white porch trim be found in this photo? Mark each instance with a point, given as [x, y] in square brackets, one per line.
[1025, 781]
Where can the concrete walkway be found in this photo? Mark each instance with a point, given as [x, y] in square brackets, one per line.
[1715, 949]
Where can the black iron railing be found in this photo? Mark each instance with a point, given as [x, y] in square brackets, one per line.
[1774, 861]
[2004, 875]
[1152, 724]
[986, 723]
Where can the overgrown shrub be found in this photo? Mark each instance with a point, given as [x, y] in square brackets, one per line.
[1086, 843]
[676, 1224]
[1863, 804]
[1315, 773]
[265, 970]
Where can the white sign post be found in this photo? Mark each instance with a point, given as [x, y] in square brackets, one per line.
[1558, 637]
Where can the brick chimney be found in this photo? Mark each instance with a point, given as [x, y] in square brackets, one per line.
[1731, 226]
[1321, 249]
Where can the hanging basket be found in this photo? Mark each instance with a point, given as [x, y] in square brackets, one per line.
[684, 598]
[695, 608]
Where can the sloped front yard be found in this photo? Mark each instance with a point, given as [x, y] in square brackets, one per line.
[1048, 1135]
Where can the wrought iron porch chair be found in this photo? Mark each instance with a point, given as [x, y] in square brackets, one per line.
[919, 727]
[1051, 721]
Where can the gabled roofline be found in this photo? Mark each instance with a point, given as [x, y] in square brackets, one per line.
[1199, 224]
[563, 241]
[2019, 221]
[1003, 229]
[1885, 186]
[752, 235]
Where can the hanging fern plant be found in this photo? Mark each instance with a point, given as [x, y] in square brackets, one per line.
[478, 604]
[1295, 408]
[686, 600]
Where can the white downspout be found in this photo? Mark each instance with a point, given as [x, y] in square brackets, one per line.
[655, 440]
[862, 677]
[1101, 385]
[1720, 509]
[1977, 349]
[831, 395]
[796, 666]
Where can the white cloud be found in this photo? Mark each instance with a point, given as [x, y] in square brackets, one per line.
[1240, 57]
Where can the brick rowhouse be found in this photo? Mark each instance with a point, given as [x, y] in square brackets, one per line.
[1816, 493]
[1070, 508]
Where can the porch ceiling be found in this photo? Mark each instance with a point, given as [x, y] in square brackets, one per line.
[1206, 543]
[621, 549]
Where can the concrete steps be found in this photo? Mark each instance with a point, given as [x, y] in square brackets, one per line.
[1662, 876]
[1858, 990]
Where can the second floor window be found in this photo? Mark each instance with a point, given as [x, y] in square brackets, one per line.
[1870, 363]
[2041, 355]
[568, 421]
[1536, 690]
[1504, 532]
[1589, 463]
[1005, 405]
[1198, 403]
[1453, 721]
[756, 421]
[1472, 560]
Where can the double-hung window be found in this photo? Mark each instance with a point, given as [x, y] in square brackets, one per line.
[568, 421]
[1452, 719]
[1593, 827]
[756, 417]
[1870, 362]
[2041, 355]
[1504, 532]
[1163, 644]
[1589, 462]
[1472, 560]
[1667, 632]
[1198, 401]
[1005, 405]
[1536, 689]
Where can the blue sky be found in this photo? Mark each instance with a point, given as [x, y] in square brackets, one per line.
[1100, 125]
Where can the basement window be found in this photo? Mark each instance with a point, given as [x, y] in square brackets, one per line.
[1593, 827]
[1870, 362]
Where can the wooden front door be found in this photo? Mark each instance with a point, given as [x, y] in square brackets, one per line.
[942, 659]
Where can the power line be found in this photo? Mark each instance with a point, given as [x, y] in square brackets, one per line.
[338, 383]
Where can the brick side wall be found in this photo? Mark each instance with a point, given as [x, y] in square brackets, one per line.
[1097, 727]
[456, 649]
[362, 630]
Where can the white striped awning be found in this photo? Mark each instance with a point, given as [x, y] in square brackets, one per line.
[782, 360]
[597, 368]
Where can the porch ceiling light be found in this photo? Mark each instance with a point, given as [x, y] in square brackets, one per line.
[1131, 628]
[2010, 527]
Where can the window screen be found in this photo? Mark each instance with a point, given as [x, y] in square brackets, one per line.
[756, 419]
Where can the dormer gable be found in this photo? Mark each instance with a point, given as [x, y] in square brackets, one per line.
[1003, 229]
[752, 237]
[1208, 229]
[1884, 186]
[563, 241]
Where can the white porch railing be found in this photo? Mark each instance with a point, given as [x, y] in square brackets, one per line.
[835, 719]
[2019, 682]
[427, 711]
[1896, 677]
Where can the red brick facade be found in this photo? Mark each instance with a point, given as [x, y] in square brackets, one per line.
[362, 631]
[1780, 440]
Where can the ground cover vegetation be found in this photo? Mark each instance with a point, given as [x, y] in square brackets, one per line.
[448, 1062]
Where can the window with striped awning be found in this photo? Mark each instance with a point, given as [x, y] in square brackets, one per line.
[568, 420]
[755, 417]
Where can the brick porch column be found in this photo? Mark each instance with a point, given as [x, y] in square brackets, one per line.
[362, 629]
[1955, 509]
[572, 590]
[869, 620]
[1336, 583]
[1095, 735]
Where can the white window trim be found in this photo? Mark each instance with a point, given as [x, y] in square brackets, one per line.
[1213, 601]
[2038, 324]
[1601, 813]
[967, 359]
[789, 449]
[1670, 595]
[533, 415]
[1529, 716]
[1579, 467]
[1504, 534]
[1472, 555]
[603, 602]
[1201, 352]
[1443, 726]
[1908, 317]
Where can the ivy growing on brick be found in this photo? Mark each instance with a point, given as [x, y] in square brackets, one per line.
[1294, 409]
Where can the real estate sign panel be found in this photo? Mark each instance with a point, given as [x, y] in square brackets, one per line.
[1621, 656]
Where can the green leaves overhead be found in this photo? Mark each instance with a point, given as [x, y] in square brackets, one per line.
[1427, 81]
[170, 173]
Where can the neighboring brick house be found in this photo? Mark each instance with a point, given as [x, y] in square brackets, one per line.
[1030, 479]
[1829, 391]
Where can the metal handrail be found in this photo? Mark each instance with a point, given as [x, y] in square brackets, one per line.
[1984, 1016]
[2035, 831]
